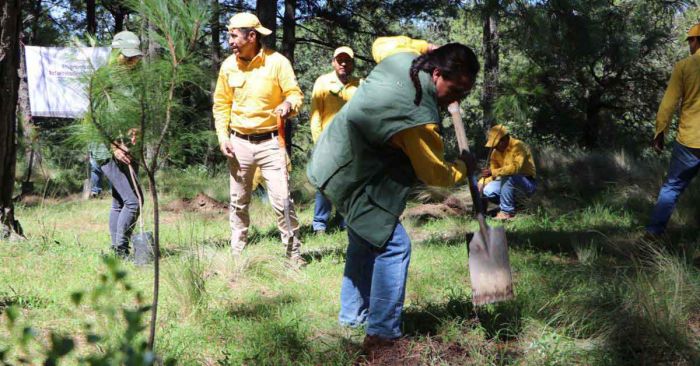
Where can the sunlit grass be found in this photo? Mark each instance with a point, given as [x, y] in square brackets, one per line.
[586, 282]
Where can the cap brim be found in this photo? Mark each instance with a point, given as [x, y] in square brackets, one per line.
[130, 52]
[264, 31]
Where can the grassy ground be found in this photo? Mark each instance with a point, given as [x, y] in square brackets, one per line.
[589, 290]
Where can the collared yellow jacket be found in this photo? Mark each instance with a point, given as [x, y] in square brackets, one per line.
[515, 160]
[328, 96]
[247, 93]
[683, 87]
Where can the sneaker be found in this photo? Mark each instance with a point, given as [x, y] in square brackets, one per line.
[94, 194]
[121, 253]
[320, 232]
[503, 216]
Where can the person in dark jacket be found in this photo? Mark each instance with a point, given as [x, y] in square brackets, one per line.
[381, 143]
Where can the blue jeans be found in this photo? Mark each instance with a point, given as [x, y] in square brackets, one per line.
[322, 213]
[125, 204]
[503, 190]
[95, 176]
[374, 284]
[684, 166]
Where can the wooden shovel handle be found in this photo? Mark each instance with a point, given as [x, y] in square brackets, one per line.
[463, 145]
[280, 132]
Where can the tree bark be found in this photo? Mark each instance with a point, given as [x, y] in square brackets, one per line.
[491, 62]
[267, 13]
[10, 24]
[90, 18]
[25, 117]
[289, 29]
[118, 11]
[215, 37]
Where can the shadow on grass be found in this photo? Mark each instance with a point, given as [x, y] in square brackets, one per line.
[317, 255]
[261, 307]
[500, 321]
[22, 301]
[271, 342]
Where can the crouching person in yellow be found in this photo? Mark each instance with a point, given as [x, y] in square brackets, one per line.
[511, 170]
[380, 144]
[255, 85]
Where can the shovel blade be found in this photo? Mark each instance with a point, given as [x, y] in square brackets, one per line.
[143, 248]
[489, 267]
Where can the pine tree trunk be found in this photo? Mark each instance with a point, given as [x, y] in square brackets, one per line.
[267, 13]
[215, 37]
[491, 46]
[289, 29]
[25, 117]
[90, 17]
[10, 24]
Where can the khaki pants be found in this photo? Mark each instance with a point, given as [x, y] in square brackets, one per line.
[269, 157]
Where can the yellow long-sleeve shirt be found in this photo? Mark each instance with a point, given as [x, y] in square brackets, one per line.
[422, 144]
[328, 96]
[684, 86]
[247, 93]
[516, 159]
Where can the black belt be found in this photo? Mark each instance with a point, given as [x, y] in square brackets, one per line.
[258, 137]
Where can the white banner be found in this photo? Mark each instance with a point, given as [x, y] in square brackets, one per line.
[56, 78]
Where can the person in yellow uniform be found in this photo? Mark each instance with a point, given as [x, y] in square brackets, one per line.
[511, 170]
[684, 87]
[382, 142]
[255, 84]
[331, 92]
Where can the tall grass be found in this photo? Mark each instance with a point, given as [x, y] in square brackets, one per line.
[589, 289]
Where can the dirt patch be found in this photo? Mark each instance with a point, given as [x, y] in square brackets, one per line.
[455, 205]
[694, 325]
[33, 199]
[410, 352]
[200, 203]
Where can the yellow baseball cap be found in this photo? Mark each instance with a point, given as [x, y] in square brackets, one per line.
[247, 20]
[127, 43]
[496, 133]
[694, 31]
[343, 49]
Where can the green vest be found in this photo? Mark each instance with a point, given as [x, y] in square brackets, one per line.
[353, 164]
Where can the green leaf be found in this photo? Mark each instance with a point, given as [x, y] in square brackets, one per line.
[61, 345]
[76, 297]
[12, 314]
[93, 338]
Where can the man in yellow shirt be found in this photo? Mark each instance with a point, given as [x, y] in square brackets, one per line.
[684, 87]
[331, 92]
[512, 169]
[255, 85]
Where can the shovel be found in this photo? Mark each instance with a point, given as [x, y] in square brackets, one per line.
[489, 267]
[143, 240]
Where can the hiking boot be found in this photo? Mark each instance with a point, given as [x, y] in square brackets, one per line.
[121, 253]
[374, 343]
[504, 216]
